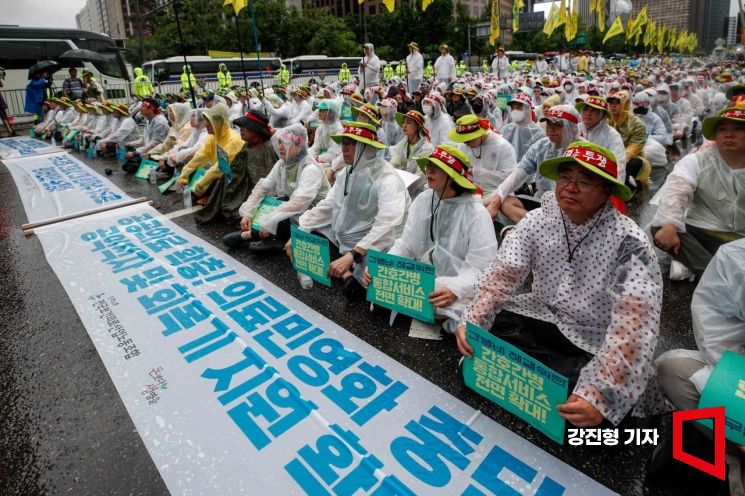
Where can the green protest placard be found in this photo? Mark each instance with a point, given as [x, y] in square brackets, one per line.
[726, 387]
[310, 255]
[266, 206]
[198, 174]
[502, 100]
[144, 171]
[164, 187]
[401, 284]
[516, 382]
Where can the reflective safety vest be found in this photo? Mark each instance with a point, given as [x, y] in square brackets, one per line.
[224, 79]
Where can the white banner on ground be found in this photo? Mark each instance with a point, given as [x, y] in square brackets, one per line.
[58, 184]
[24, 147]
[236, 387]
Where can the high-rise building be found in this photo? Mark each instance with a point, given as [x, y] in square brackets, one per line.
[112, 17]
[731, 30]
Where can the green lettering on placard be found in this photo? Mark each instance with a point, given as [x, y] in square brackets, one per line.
[267, 205]
[310, 255]
[401, 284]
[515, 381]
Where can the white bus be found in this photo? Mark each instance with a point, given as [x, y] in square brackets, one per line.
[319, 67]
[21, 47]
[166, 73]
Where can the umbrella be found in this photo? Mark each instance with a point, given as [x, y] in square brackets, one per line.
[82, 55]
[49, 66]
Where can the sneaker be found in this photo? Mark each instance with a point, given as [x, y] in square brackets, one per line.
[234, 240]
[353, 290]
[266, 245]
[679, 272]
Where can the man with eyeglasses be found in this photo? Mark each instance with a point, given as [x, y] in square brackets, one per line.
[363, 209]
[594, 310]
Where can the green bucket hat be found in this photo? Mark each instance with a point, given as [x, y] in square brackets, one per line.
[594, 158]
[467, 128]
[360, 131]
[369, 111]
[414, 115]
[453, 162]
[733, 114]
[595, 102]
[732, 91]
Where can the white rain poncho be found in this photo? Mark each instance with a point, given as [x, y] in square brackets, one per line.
[279, 112]
[302, 111]
[298, 178]
[324, 150]
[703, 191]
[491, 162]
[180, 128]
[365, 207]
[182, 153]
[404, 157]
[464, 244]
[391, 130]
[541, 151]
[125, 131]
[522, 132]
[603, 134]
[111, 126]
[437, 121]
[371, 75]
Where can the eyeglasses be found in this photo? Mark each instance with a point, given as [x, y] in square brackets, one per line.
[582, 184]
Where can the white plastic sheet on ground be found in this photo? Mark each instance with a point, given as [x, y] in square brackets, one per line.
[59, 184]
[23, 146]
[238, 388]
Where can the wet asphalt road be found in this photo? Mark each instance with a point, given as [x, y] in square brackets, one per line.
[64, 430]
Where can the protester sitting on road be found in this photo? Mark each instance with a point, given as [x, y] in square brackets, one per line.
[179, 115]
[85, 114]
[578, 244]
[183, 152]
[718, 316]
[436, 119]
[492, 157]
[296, 179]
[634, 135]
[703, 202]
[55, 111]
[448, 227]
[562, 129]
[98, 125]
[413, 145]
[221, 136]
[125, 131]
[155, 133]
[324, 150]
[362, 210]
[521, 132]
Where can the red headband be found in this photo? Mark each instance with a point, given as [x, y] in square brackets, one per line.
[598, 102]
[469, 128]
[249, 115]
[151, 106]
[361, 132]
[734, 114]
[450, 160]
[594, 158]
[560, 114]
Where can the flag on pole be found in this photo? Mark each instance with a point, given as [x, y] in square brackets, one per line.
[562, 19]
[494, 26]
[661, 39]
[517, 5]
[425, 4]
[615, 29]
[572, 25]
[550, 24]
[390, 5]
[238, 5]
[601, 15]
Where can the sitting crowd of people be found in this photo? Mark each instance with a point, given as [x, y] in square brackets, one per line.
[491, 178]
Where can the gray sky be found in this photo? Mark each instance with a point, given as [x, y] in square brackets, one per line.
[61, 13]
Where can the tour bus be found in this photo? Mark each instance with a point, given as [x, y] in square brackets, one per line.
[22, 47]
[319, 67]
[166, 73]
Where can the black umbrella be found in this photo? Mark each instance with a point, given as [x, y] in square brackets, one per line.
[82, 55]
[49, 66]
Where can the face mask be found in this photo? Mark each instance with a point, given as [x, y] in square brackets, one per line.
[477, 106]
[661, 98]
[428, 110]
[517, 115]
[568, 87]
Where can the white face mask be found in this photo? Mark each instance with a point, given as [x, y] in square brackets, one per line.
[517, 115]
[568, 87]
[428, 110]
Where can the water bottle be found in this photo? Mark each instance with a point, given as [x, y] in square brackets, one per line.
[176, 173]
[54, 141]
[305, 281]
[187, 197]
[153, 176]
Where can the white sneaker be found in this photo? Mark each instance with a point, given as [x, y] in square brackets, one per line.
[679, 272]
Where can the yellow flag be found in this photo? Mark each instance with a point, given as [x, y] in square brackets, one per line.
[615, 29]
[562, 14]
[516, 6]
[550, 24]
[571, 26]
[661, 39]
[494, 27]
[238, 5]
[630, 28]
[593, 5]
[390, 5]
[425, 4]
[601, 15]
